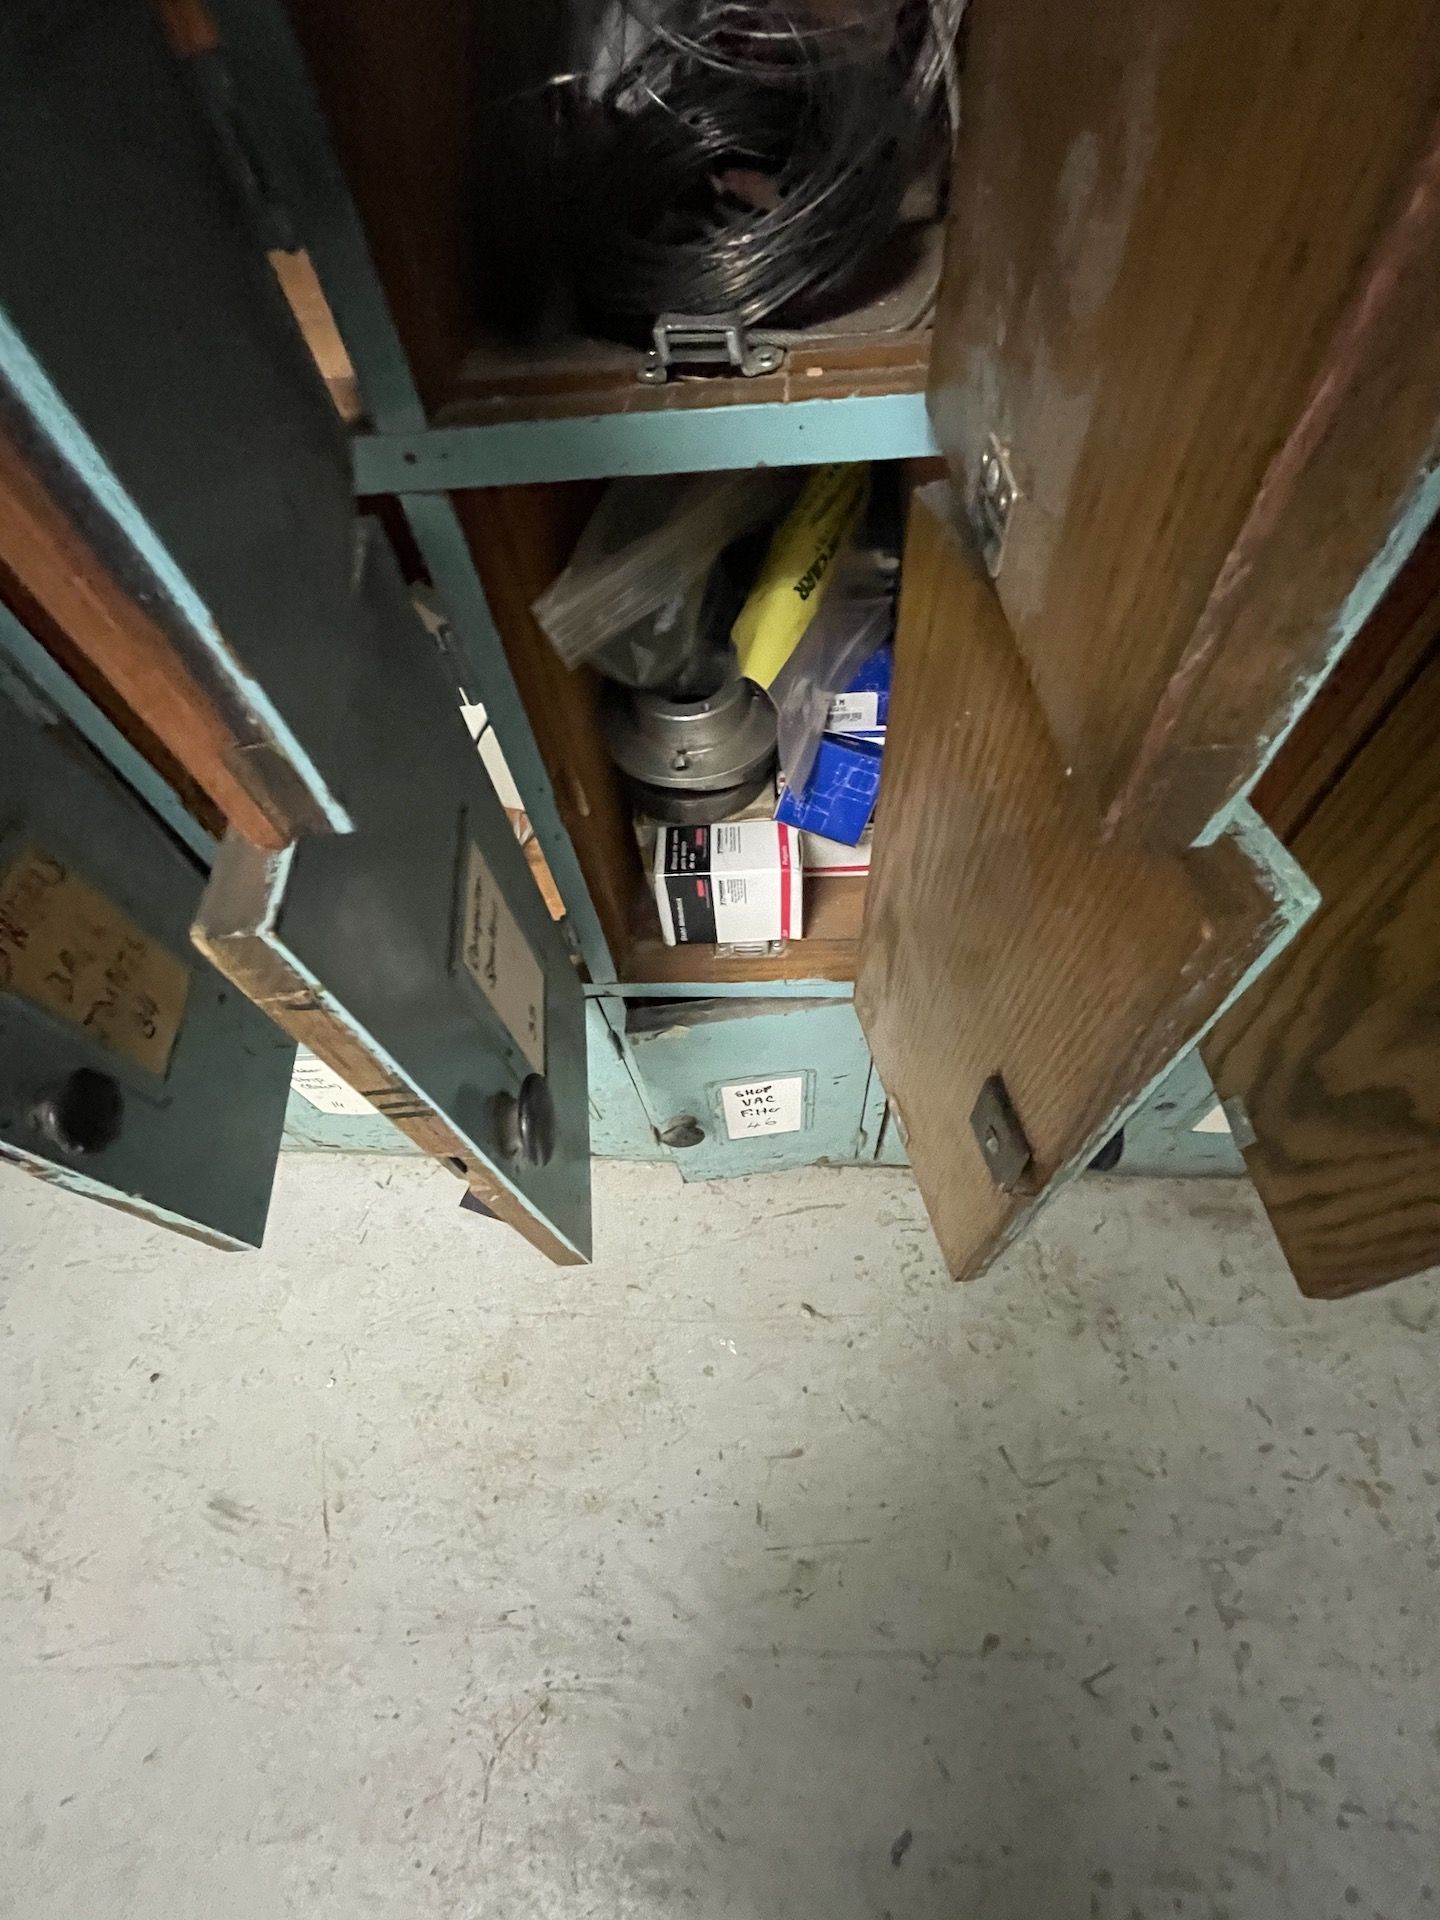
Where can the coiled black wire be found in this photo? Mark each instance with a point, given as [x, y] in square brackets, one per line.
[744, 156]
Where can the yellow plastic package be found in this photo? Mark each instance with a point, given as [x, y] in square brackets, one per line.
[792, 582]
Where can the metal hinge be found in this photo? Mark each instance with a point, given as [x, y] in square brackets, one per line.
[994, 501]
[708, 343]
[1000, 1136]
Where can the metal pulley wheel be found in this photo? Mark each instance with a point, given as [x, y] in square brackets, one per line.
[692, 762]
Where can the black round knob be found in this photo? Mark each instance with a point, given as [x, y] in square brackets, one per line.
[83, 1115]
[527, 1122]
[1110, 1154]
[683, 1131]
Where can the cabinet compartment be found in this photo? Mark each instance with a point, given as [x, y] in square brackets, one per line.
[750, 1086]
[435, 110]
[521, 537]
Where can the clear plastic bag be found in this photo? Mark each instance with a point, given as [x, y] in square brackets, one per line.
[644, 548]
[855, 618]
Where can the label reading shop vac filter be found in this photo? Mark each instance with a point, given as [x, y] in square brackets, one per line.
[764, 1106]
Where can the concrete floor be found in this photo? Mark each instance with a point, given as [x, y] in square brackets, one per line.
[756, 1571]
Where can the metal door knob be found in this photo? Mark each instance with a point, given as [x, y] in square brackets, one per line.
[83, 1115]
[526, 1122]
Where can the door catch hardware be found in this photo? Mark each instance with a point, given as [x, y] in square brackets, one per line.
[708, 343]
[1000, 1136]
[995, 497]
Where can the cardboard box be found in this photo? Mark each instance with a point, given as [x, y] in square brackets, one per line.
[824, 857]
[737, 884]
[839, 796]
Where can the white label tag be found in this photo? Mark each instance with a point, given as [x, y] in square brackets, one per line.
[501, 960]
[764, 1106]
[853, 712]
[324, 1088]
[1213, 1122]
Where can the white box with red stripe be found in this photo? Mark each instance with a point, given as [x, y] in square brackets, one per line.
[736, 884]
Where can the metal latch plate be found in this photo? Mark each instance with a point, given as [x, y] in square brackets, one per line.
[1000, 1136]
[708, 343]
[995, 497]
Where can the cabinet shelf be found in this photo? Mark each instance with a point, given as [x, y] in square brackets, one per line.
[743, 432]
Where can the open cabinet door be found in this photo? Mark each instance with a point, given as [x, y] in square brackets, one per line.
[1186, 371]
[1023, 981]
[176, 513]
[1330, 1065]
[177, 528]
[415, 955]
[130, 1071]
[1187, 380]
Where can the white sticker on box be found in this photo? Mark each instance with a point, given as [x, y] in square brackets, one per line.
[500, 959]
[1213, 1122]
[764, 1106]
[853, 712]
[324, 1088]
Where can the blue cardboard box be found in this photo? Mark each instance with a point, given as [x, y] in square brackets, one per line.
[839, 796]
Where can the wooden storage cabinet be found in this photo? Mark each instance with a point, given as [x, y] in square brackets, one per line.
[1187, 394]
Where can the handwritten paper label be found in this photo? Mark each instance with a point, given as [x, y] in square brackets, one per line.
[764, 1106]
[66, 948]
[324, 1088]
[501, 960]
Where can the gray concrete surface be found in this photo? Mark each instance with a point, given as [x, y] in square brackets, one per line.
[756, 1571]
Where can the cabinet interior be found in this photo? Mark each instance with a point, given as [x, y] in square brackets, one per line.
[432, 110]
[435, 109]
[521, 538]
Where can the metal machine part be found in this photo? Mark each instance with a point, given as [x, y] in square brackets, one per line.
[692, 762]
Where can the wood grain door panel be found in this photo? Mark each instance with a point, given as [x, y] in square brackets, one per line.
[1189, 287]
[1003, 933]
[1333, 1057]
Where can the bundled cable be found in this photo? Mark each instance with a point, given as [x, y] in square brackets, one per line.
[745, 156]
